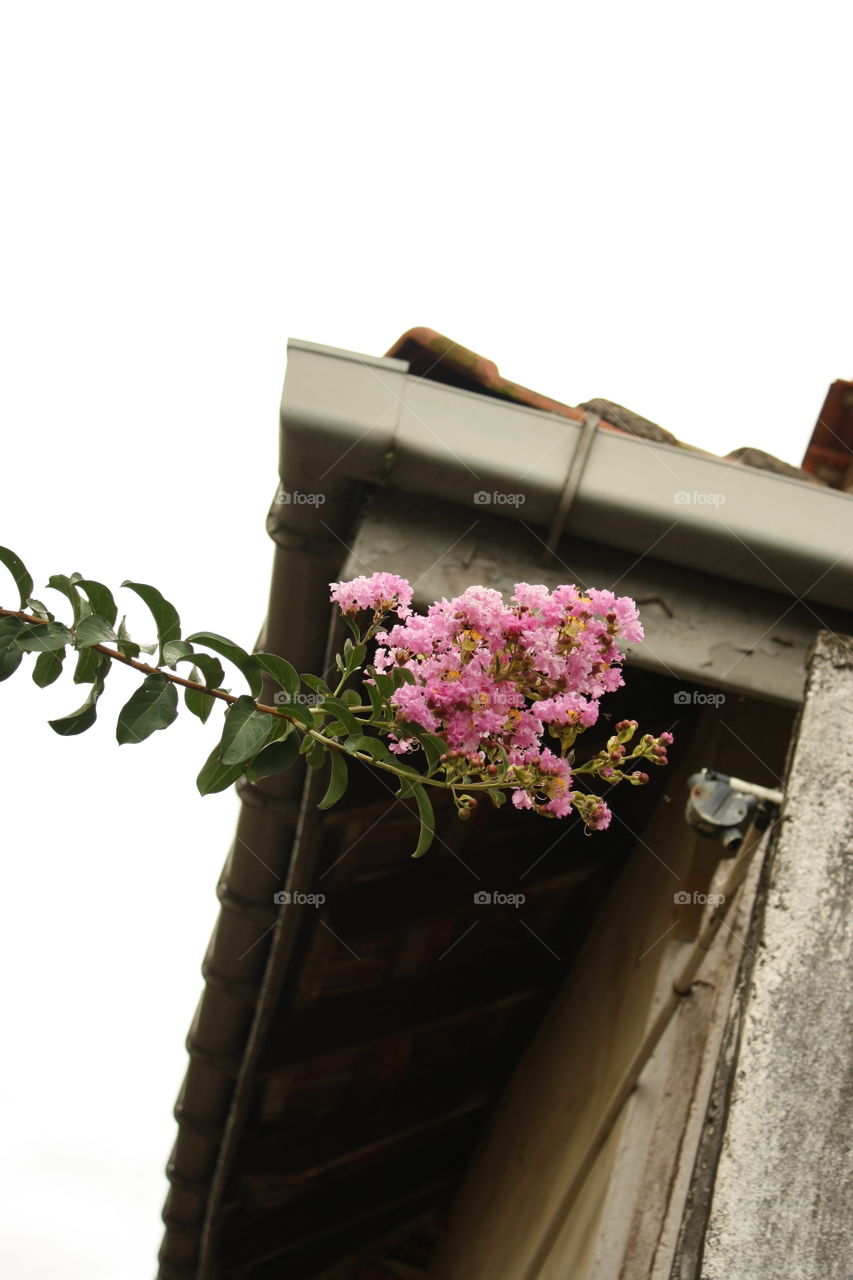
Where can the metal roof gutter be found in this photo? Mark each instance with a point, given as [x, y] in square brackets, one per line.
[367, 419]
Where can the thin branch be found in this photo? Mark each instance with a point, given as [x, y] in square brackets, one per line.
[148, 670]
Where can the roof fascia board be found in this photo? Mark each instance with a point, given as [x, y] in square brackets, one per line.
[700, 630]
[351, 418]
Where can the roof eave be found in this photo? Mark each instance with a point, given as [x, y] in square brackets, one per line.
[351, 418]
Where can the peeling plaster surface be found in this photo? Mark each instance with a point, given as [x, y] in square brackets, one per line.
[781, 1203]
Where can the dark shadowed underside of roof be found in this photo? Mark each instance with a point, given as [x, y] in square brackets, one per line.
[405, 1008]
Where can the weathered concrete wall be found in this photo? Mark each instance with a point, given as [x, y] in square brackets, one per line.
[781, 1199]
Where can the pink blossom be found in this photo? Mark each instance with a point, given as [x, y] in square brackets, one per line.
[546, 783]
[599, 817]
[567, 708]
[491, 676]
[381, 592]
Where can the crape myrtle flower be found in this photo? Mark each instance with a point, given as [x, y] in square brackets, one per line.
[493, 679]
[382, 592]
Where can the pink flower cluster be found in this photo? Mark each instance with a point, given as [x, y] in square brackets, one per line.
[382, 592]
[490, 678]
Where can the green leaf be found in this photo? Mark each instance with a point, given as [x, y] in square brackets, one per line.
[427, 817]
[215, 776]
[379, 711]
[246, 732]
[298, 712]
[401, 676]
[354, 654]
[48, 667]
[247, 665]
[279, 728]
[274, 758]
[315, 683]
[67, 587]
[93, 629]
[383, 684]
[200, 704]
[433, 746]
[351, 698]
[353, 626]
[100, 598]
[88, 664]
[174, 651]
[338, 779]
[10, 629]
[84, 717]
[16, 567]
[315, 753]
[127, 647]
[53, 635]
[42, 611]
[77, 722]
[206, 670]
[165, 614]
[340, 709]
[285, 676]
[212, 676]
[10, 660]
[153, 706]
[370, 746]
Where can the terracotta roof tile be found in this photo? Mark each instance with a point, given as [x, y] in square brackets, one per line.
[829, 456]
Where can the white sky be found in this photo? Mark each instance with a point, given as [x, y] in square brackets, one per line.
[645, 202]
